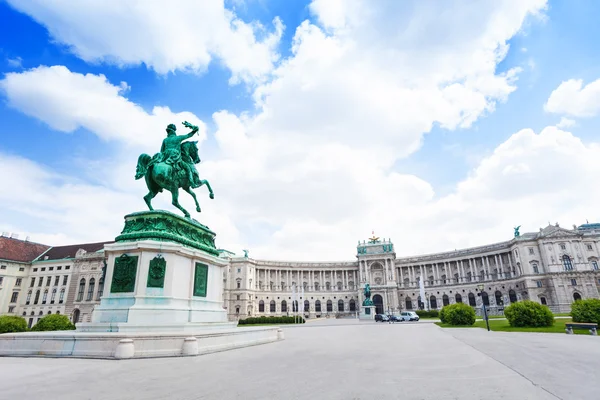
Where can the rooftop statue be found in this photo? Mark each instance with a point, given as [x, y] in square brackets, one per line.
[517, 234]
[173, 168]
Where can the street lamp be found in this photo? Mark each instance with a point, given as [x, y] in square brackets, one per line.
[481, 287]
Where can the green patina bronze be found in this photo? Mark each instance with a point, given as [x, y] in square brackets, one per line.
[367, 302]
[173, 168]
[200, 280]
[156, 272]
[165, 226]
[124, 273]
[517, 233]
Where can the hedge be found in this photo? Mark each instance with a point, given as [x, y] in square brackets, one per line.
[458, 314]
[528, 313]
[12, 323]
[428, 314]
[586, 311]
[271, 320]
[54, 322]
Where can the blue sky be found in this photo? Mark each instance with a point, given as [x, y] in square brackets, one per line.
[553, 43]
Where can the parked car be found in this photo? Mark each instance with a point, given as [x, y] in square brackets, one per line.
[381, 318]
[395, 318]
[409, 316]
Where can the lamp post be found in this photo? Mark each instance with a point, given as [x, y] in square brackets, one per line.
[481, 287]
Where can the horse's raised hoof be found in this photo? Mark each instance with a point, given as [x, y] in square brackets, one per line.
[198, 209]
[212, 196]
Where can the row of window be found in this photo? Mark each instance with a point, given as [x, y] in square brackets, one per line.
[49, 280]
[21, 269]
[45, 296]
[91, 287]
[305, 286]
[67, 267]
[284, 306]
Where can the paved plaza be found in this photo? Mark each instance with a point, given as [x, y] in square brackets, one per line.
[334, 359]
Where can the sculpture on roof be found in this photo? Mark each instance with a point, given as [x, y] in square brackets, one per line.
[173, 168]
[517, 234]
[245, 253]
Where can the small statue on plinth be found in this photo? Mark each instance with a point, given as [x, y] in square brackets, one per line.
[517, 234]
[367, 292]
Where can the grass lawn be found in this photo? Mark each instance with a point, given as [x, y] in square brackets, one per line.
[503, 326]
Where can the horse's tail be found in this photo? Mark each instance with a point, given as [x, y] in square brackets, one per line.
[142, 165]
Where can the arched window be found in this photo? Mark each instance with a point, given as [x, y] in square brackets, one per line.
[261, 306]
[498, 297]
[271, 286]
[305, 286]
[75, 316]
[57, 312]
[237, 310]
[41, 312]
[567, 263]
[430, 279]
[53, 296]
[472, 301]
[49, 312]
[28, 297]
[339, 286]
[37, 297]
[100, 289]
[81, 289]
[329, 306]
[62, 295]
[283, 286]
[408, 303]
[352, 305]
[327, 286]
[443, 277]
[318, 306]
[576, 296]
[283, 306]
[458, 298]
[445, 300]
[456, 278]
[543, 300]
[317, 286]
[469, 277]
[272, 306]
[512, 296]
[91, 287]
[306, 306]
[340, 305]
[45, 296]
[351, 284]
[485, 298]
[433, 302]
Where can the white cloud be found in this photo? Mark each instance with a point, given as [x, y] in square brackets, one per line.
[16, 62]
[566, 123]
[572, 98]
[313, 170]
[166, 37]
[67, 101]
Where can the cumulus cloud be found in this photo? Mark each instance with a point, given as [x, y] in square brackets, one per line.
[184, 36]
[313, 169]
[16, 62]
[566, 123]
[67, 101]
[572, 98]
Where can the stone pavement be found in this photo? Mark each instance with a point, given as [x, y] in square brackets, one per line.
[333, 359]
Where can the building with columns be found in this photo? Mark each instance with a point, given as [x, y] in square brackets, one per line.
[554, 266]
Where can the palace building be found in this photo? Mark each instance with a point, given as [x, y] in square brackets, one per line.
[554, 266]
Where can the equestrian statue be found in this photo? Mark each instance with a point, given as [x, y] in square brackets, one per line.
[173, 168]
[367, 292]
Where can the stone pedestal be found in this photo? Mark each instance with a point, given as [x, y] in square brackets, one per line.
[367, 313]
[163, 297]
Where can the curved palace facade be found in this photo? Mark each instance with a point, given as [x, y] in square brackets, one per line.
[554, 266]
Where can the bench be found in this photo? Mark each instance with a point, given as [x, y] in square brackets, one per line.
[593, 328]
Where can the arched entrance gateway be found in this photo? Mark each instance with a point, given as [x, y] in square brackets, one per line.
[378, 301]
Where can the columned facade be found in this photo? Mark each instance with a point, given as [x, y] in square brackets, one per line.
[554, 266]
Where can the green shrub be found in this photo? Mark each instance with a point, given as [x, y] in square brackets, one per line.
[528, 313]
[271, 320]
[586, 311]
[458, 314]
[12, 323]
[428, 314]
[54, 322]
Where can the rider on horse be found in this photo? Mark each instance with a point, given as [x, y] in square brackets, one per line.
[170, 153]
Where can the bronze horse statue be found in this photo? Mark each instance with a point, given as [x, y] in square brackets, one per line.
[161, 174]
